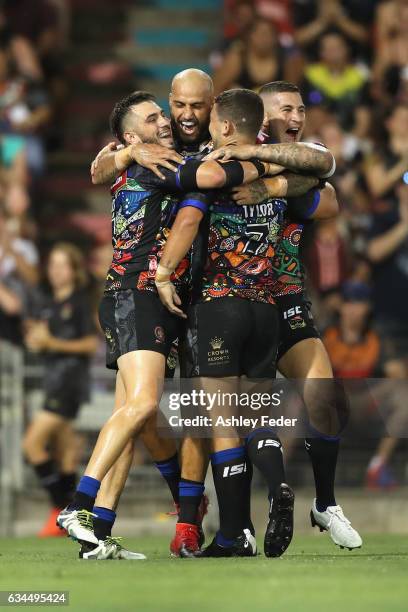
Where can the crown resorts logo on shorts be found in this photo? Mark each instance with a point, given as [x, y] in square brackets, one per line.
[217, 354]
[159, 333]
[297, 322]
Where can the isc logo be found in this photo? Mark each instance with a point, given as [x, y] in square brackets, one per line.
[264, 443]
[232, 470]
[292, 312]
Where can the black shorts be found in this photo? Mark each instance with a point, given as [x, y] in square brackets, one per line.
[296, 321]
[231, 337]
[134, 320]
[64, 405]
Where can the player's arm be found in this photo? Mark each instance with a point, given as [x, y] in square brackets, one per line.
[328, 206]
[287, 184]
[181, 237]
[306, 157]
[39, 338]
[202, 175]
[110, 162]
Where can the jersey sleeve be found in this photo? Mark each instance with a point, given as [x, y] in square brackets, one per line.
[303, 207]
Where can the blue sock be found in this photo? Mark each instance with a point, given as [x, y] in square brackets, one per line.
[190, 495]
[85, 494]
[104, 521]
[170, 470]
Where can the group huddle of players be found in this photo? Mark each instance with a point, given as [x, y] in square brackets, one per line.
[206, 229]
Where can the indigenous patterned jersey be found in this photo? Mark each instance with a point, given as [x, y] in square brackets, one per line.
[288, 268]
[241, 248]
[142, 215]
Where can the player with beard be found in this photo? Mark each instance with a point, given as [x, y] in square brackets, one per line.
[235, 303]
[138, 330]
[301, 353]
[191, 99]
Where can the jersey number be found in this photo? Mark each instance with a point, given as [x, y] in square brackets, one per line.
[257, 235]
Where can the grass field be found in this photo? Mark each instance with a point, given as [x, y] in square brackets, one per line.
[314, 575]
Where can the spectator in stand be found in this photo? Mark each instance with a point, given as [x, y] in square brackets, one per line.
[18, 275]
[353, 347]
[62, 329]
[388, 252]
[314, 18]
[390, 69]
[329, 264]
[386, 168]
[339, 84]
[24, 111]
[256, 60]
[20, 49]
[38, 22]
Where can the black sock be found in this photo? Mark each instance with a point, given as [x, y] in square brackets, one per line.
[190, 495]
[230, 480]
[103, 522]
[85, 494]
[323, 455]
[67, 486]
[49, 477]
[170, 470]
[249, 473]
[265, 452]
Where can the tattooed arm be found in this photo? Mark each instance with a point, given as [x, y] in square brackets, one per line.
[298, 157]
[284, 185]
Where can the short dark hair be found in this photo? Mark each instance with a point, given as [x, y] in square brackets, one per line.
[121, 109]
[243, 107]
[279, 87]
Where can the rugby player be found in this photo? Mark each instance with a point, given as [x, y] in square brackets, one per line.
[191, 99]
[139, 331]
[239, 265]
[301, 353]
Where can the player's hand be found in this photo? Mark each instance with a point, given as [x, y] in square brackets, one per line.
[151, 156]
[38, 337]
[169, 298]
[251, 193]
[111, 146]
[241, 152]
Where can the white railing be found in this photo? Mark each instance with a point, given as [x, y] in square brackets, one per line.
[11, 428]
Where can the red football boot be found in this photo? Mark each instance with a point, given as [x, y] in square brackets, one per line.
[185, 542]
[51, 529]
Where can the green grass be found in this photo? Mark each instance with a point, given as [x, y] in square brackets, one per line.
[313, 576]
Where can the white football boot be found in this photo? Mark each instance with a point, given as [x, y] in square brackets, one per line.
[78, 524]
[110, 548]
[339, 527]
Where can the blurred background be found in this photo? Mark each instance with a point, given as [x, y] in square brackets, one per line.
[63, 65]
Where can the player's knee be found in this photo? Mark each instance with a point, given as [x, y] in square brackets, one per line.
[139, 410]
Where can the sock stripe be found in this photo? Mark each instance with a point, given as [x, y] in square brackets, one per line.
[105, 514]
[227, 455]
[188, 489]
[89, 486]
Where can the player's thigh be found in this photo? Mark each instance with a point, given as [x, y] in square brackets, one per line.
[142, 373]
[43, 428]
[306, 359]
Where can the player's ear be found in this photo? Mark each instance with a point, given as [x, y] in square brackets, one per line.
[226, 127]
[131, 138]
[265, 123]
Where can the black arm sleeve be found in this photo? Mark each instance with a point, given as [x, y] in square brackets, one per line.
[303, 207]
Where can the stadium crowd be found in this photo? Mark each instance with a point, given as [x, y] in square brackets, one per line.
[350, 60]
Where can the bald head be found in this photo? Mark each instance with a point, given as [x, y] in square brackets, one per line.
[191, 100]
[194, 80]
